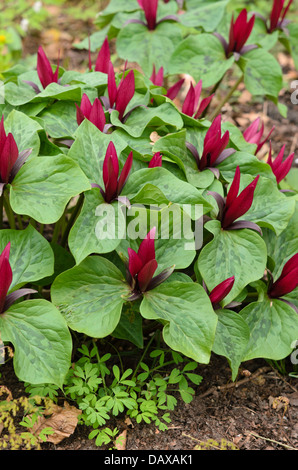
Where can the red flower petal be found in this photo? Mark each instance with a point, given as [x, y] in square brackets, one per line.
[134, 262]
[125, 93]
[8, 158]
[147, 250]
[222, 290]
[146, 274]
[103, 58]
[97, 115]
[5, 275]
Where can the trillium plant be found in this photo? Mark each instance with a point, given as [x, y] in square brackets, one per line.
[128, 201]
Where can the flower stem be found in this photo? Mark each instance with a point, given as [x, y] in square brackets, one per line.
[8, 211]
[226, 98]
[72, 219]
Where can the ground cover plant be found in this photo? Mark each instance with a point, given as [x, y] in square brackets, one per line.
[123, 213]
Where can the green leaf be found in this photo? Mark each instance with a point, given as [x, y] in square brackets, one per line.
[262, 73]
[23, 93]
[270, 207]
[204, 14]
[60, 119]
[273, 328]
[99, 227]
[231, 338]
[31, 257]
[24, 129]
[282, 247]
[186, 310]
[136, 43]
[91, 296]
[44, 185]
[130, 326]
[141, 117]
[41, 340]
[158, 185]
[239, 253]
[201, 56]
[89, 149]
[248, 164]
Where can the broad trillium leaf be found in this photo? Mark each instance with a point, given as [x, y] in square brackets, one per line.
[41, 339]
[90, 296]
[43, 187]
[188, 317]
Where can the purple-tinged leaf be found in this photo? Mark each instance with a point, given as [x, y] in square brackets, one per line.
[11, 298]
[161, 277]
[145, 275]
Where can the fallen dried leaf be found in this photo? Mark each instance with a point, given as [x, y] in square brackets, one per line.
[63, 421]
[120, 443]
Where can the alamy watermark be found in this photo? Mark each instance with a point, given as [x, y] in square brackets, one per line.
[172, 221]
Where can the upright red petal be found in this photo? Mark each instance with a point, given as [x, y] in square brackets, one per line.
[203, 105]
[2, 133]
[111, 182]
[252, 134]
[86, 106]
[156, 160]
[188, 105]
[5, 275]
[125, 172]
[103, 58]
[80, 115]
[240, 205]
[111, 153]
[9, 155]
[134, 262]
[112, 88]
[222, 290]
[97, 115]
[146, 274]
[126, 90]
[147, 250]
[157, 78]
[174, 89]
[234, 188]
[44, 69]
[198, 90]
[150, 10]
[288, 280]
[275, 13]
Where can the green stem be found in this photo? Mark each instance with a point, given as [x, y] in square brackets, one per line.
[215, 87]
[57, 230]
[9, 212]
[98, 360]
[142, 358]
[20, 222]
[226, 98]
[72, 219]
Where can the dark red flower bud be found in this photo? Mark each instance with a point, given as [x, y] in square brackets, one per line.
[288, 280]
[114, 183]
[279, 167]
[254, 135]
[44, 69]
[221, 291]
[93, 113]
